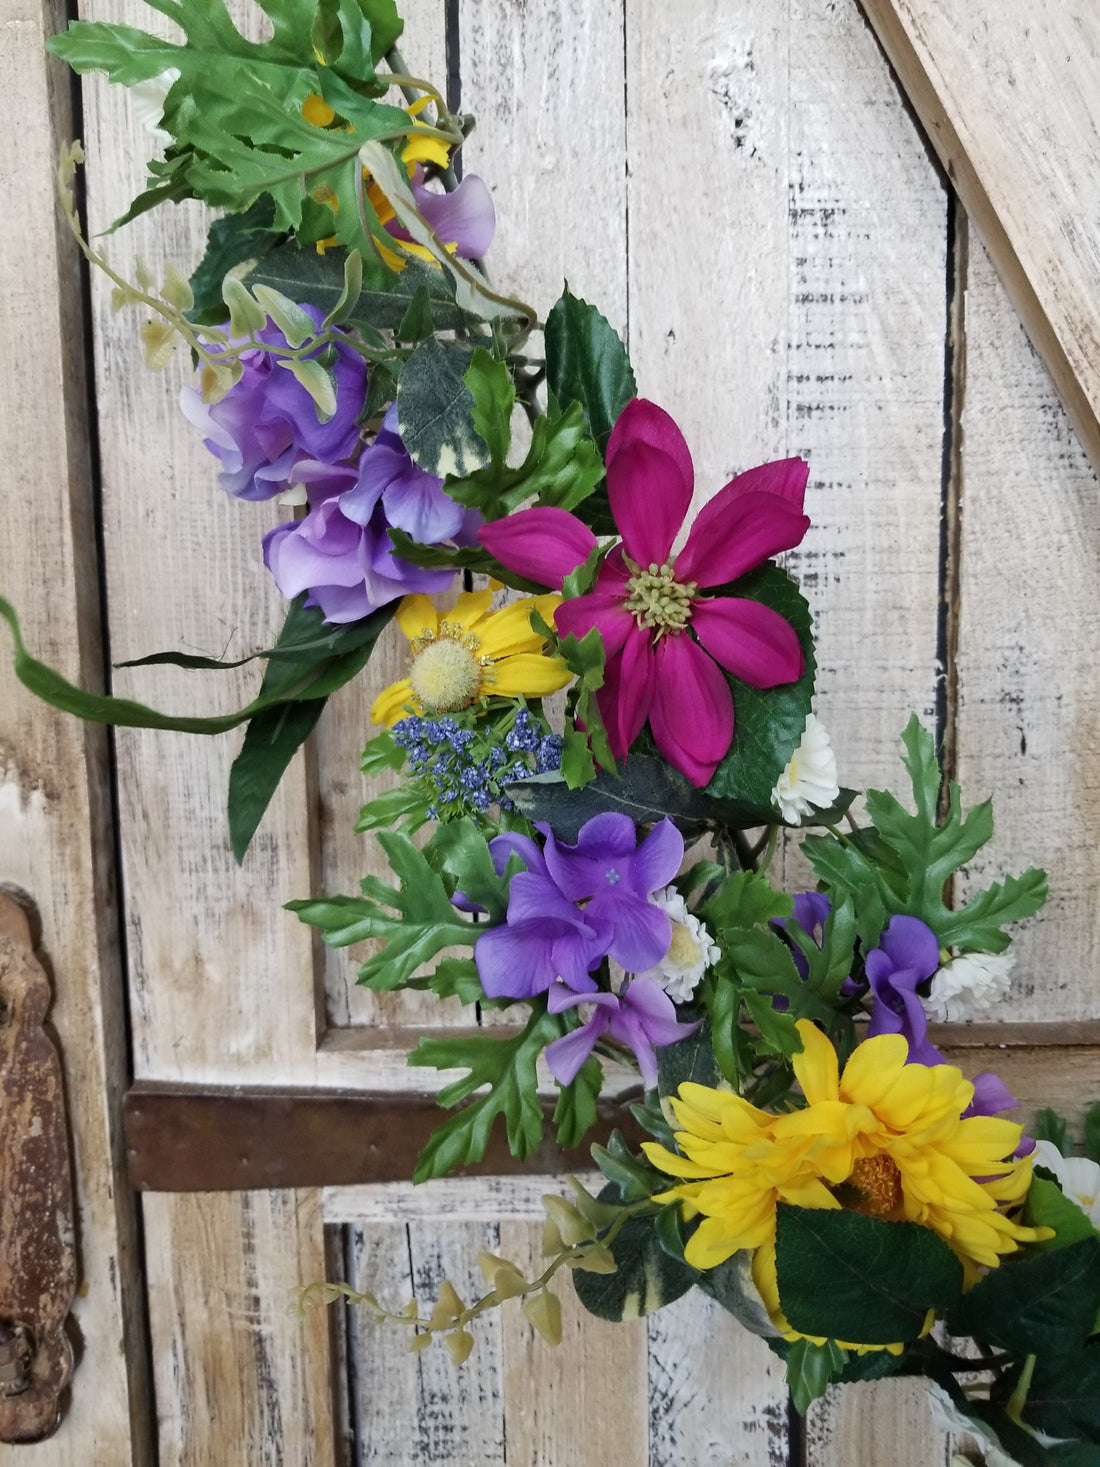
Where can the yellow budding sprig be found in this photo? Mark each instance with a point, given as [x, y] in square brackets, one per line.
[575, 1235]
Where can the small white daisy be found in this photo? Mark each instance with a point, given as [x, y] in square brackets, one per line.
[809, 780]
[969, 984]
[690, 953]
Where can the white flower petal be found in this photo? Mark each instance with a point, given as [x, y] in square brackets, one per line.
[810, 779]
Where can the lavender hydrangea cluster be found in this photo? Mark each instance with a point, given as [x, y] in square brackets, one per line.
[467, 765]
[270, 439]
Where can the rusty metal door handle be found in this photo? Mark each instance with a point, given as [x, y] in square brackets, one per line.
[37, 1249]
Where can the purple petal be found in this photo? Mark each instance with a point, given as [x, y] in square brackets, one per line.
[464, 218]
[642, 932]
[540, 544]
[566, 1055]
[991, 1096]
[750, 640]
[910, 943]
[658, 859]
[503, 846]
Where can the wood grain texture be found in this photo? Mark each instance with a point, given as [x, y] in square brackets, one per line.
[220, 977]
[239, 1376]
[1007, 94]
[54, 800]
[1029, 618]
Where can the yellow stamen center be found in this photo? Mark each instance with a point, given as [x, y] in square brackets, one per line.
[446, 672]
[873, 1188]
[683, 950]
[656, 599]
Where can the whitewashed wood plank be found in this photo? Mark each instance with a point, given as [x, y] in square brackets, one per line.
[864, 395]
[239, 1376]
[697, 1352]
[1029, 619]
[470, 1199]
[585, 1400]
[221, 979]
[876, 1421]
[420, 1407]
[54, 795]
[1007, 93]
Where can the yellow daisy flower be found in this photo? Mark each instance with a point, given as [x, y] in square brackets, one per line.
[886, 1138]
[470, 653]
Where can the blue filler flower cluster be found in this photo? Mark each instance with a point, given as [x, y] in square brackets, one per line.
[468, 766]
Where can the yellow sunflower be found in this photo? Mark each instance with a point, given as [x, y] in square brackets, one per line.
[886, 1138]
[470, 653]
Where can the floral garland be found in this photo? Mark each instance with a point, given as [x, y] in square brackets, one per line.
[814, 1162]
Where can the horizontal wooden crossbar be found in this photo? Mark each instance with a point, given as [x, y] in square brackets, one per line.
[185, 1138]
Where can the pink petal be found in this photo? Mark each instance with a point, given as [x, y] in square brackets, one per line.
[578, 616]
[627, 689]
[541, 544]
[649, 480]
[691, 716]
[752, 641]
[785, 477]
[735, 532]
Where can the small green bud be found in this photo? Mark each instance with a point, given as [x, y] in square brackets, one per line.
[459, 1345]
[571, 1224]
[543, 1312]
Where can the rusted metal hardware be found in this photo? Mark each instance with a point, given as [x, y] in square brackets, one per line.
[189, 1139]
[37, 1250]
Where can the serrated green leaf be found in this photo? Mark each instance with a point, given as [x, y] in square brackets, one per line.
[811, 1369]
[575, 1112]
[769, 722]
[459, 848]
[884, 1277]
[631, 1175]
[415, 919]
[435, 410]
[507, 1068]
[1044, 1305]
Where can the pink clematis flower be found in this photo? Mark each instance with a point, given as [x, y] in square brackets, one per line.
[666, 641]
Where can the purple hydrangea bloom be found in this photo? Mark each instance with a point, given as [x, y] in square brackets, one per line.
[577, 904]
[268, 421]
[642, 1017]
[907, 955]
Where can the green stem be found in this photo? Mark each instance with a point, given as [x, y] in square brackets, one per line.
[1018, 1399]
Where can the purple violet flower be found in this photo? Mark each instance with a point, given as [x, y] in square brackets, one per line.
[577, 904]
[907, 955]
[463, 219]
[641, 1017]
[268, 421]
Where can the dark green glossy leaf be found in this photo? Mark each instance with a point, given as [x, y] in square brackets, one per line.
[811, 1369]
[1048, 1207]
[646, 1278]
[229, 242]
[270, 742]
[769, 722]
[1063, 1398]
[575, 1112]
[884, 1277]
[435, 410]
[1045, 1305]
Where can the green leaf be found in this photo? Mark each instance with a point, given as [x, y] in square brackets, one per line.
[811, 1369]
[274, 736]
[314, 680]
[768, 722]
[1048, 1207]
[468, 557]
[1044, 1305]
[435, 410]
[631, 1175]
[912, 856]
[561, 468]
[646, 789]
[230, 242]
[459, 848]
[1091, 1127]
[417, 322]
[883, 1277]
[691, 1060]
[575, 1112]
[587, 364]
[1050, 1126]
[1063, 1398]
[731, 1285]
[507, 1068]
[646, 1276]
[745, 900]
[420, 925]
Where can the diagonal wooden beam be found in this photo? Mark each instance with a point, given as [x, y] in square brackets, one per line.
[1007, 92]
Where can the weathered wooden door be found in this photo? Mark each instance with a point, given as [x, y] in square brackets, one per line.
[741, 188]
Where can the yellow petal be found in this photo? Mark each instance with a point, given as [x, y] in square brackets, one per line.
[468, 610]
[510, 629]
[316, 110]
[423, 148]
[417, 617]
[816, 1067]
[527, 675]
[391, 703]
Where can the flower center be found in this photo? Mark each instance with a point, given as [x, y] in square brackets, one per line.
[446, 672]
[656, 599]
[873, 1187]
[683, 950]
